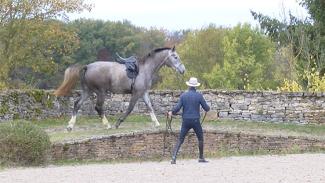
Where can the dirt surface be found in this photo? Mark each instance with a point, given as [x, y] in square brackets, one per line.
[300, 168]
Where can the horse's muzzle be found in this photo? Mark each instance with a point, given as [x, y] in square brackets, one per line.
[181, 69]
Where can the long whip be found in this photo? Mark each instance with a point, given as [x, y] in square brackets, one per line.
[168, 130]
[205, 114]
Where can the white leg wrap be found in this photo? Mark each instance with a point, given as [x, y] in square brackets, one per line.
[154, 119]
[152, 114]
[105, 122]
[72, 122]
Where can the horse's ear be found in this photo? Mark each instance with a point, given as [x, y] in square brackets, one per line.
[173, 49]
[150, 53]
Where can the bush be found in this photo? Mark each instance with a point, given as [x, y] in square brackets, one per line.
[290, 86]
[23, 144]
[315, 83]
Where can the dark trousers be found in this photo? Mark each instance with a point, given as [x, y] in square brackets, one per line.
[188, 124]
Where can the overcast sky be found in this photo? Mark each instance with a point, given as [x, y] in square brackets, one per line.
[187, 14]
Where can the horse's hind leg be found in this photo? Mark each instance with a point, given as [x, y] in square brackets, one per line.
[99, 108]
[152, 114]
[84, 96]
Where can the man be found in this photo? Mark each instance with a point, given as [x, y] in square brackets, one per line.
[190, 101]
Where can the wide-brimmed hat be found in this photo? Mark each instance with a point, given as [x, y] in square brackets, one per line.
[193, 82]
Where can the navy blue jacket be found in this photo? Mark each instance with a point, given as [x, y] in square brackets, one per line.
[191, 102]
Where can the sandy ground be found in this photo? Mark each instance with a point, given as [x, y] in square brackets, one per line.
[298, 168]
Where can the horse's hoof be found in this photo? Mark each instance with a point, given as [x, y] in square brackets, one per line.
[69, 129]
[109, 127]
[117, 124]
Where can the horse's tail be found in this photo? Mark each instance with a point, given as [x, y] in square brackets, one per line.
[71, 76]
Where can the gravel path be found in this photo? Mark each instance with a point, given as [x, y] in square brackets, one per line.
[299, 168]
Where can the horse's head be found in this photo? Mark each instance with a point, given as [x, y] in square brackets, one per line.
[173, 60]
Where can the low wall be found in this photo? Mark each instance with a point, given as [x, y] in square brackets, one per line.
[238, 105]
[151, 145]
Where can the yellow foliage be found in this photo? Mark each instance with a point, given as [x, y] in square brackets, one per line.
[316, 83]
[290, 86]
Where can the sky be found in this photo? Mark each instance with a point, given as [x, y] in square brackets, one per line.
[176, 15]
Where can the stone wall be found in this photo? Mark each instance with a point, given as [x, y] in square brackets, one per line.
[151, 145]
[238, 105]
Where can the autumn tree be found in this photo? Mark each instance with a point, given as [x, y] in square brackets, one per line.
[32, 38]
[248, 61]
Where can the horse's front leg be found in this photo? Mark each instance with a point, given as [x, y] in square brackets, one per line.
[132, 103]
[152, 113]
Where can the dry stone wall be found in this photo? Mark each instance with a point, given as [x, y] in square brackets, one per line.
[152, 145]
[238, 105]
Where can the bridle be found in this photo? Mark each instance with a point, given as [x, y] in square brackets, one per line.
[177, 65]
[165, 60]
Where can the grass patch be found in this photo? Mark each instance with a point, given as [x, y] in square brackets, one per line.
[88, 120]
[268, 128]
[89, 126]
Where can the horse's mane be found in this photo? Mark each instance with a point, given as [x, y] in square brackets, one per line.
[160, 49]
[152, 53]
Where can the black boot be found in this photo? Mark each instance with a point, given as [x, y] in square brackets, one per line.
[201, 157]
[177, 147]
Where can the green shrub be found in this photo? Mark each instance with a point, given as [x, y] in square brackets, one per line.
[315, 83]
[23, 144]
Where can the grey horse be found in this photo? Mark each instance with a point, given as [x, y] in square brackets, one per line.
[101, 77]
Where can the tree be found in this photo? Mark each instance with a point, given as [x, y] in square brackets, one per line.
[149, 39]
[248, 61]
[316, 9]
[30, 37]
[305, 38]
[91, 35]
[121, 37]
[199, 52]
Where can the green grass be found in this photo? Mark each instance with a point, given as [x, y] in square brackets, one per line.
[89, 126]
[88, 120]
[268, 128]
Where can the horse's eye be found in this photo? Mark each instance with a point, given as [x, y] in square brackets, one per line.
[175, 57]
